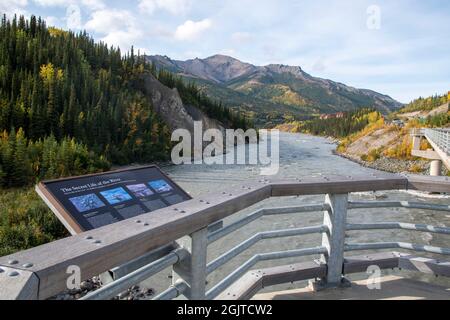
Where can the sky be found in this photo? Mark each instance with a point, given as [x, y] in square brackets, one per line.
[400, 48]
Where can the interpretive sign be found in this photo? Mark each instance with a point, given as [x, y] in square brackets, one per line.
[92, 201]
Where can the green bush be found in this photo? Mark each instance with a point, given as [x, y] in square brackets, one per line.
[23, 162]
[26, 222]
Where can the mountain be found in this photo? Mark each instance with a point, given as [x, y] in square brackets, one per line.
[274, 92]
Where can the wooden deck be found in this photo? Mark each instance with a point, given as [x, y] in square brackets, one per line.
[392, 288]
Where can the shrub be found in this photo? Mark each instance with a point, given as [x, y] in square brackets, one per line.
[25, 221]
[373, 155]
[415, 168]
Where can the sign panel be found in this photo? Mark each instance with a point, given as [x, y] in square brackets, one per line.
[92, 201]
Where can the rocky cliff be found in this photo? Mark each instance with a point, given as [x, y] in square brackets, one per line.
[169, 105]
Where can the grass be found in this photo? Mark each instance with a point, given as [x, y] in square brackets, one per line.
[25, 221]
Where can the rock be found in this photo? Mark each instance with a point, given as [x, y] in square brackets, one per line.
[170, 107]
[133, 293]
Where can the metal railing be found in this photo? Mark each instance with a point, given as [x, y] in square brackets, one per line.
[440, 137]
[38, 273]
[181, 286]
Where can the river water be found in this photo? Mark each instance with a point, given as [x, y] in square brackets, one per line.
[301, 156]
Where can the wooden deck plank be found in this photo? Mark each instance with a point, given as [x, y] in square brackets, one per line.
[392, 288]
[428, 183]
[425, 265]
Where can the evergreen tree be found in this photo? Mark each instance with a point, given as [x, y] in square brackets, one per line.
[20, 174]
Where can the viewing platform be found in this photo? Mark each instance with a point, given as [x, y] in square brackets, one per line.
[130, 251]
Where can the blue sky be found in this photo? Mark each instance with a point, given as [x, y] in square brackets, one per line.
[400, 48]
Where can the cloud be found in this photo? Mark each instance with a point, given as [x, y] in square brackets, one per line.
[105, 21]
[228, 52]
[73, 17]
[52, 21]
[93, 4]
[337, 46]
[11, 7]
[117, 27]
[175, 7]
[123, 38]
[52, 3]
[89, 4]
[241, 37]
[191, 30]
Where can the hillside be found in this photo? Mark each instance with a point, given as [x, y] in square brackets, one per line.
[274, 92]
[387, 144]
[433, 109]
[71, 106]
[374, 140]
[63, 86]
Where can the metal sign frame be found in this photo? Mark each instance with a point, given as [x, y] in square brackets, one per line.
[65, 216]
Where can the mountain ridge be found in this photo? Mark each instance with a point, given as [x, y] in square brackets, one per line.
[274, 91]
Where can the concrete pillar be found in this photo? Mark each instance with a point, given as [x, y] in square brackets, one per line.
[436, 168]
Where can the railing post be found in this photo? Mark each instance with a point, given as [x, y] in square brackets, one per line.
[192, 269]
[334, 240]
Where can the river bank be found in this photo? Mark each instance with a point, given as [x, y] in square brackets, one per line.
[392, 165]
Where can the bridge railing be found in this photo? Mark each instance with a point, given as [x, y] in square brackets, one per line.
[440, 137]
[179, 237]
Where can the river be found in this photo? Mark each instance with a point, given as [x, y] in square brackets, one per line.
[300, 156]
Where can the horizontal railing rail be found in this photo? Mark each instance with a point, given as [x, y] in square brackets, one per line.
[440, 137]
[235, 275]
[396, 245]
[39, 273]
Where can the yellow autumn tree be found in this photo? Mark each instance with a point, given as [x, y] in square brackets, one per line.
[48, 73]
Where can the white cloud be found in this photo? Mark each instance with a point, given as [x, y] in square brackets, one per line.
[11, 7]
[175, 7]
[241, 37]
[191, 30]
[105, 21]
[73, 17]
[52, 21]
[123, 38]
[13, 3]
[93, 4]
[117, 27]
[51, 3]
[89, 4]
[228, 52]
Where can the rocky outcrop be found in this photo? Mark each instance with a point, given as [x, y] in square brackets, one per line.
[169, 105]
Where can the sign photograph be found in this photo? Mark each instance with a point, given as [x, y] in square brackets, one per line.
[93, 201]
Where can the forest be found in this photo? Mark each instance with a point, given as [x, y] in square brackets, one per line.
[340, 127]
[65, 96]
[72, 106]
[426, 104]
